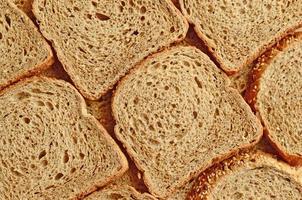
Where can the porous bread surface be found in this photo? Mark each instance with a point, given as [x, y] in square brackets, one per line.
[238, 31]
[24, 5]
[248, 176]
[279, 99]
[183, 120]
[22, 48]
[120, 192]
[100, 41]
[50, 147]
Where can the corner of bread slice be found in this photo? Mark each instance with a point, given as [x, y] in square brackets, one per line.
[270, 96]
[248, 169]
[36, 54]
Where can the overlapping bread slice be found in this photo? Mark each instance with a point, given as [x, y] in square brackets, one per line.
[248, 176]
[23, 50]
[238, 31]
[176, 115]
[99, 41]
[50, 147]
[276, 96]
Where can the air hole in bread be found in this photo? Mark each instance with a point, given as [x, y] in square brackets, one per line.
[1, 36]
[42, 154]
[198, 82]
[143, 9]
[44, 163]
[82, 156]
[172, 29]
[102, 17]
[59, 176]
[166, 87]
[66, 157]
[22, 95]
[8, 20]
[26, 120]
[95, 4]
[49, 105]
[72, 170]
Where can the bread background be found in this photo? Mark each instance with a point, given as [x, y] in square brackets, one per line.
[239, 81]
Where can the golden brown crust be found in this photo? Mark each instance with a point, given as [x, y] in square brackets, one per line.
[251, 58]
[253, 88]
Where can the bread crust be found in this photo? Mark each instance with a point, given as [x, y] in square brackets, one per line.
[185, 180]
[123, 160]
[38, 68]
[229, 70]
[253, 88]
[68, 66]
[209, 177]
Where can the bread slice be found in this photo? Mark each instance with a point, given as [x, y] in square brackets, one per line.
[25, 6]
[237, 31]
[50, 147]
[186, 118]
[23, 50]
[276, 96]
[119, 192]
[248, 176]
[99, 42]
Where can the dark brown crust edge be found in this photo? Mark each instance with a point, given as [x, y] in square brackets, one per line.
[67, 66]
[123, 160]
[214, 161]
[39, 67]
[229, 70]
[252, 91]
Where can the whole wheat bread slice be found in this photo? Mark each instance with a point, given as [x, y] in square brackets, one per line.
[238, 31]
[51, 148]
[99, 41]
[248, 176]
[176, 114]
[276, 96]
[22, 48]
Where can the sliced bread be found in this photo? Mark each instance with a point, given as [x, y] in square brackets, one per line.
[98, 42]
[238, 31]
[176, 115]
[276, 96]
[248, 176]
[22, 48]
[50, 147]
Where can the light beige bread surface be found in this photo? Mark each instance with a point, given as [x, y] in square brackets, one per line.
[51, 148]
[248, 176]
[276, 96]
[99, 41]
[22, 48]
[186, 118]
[238, 31]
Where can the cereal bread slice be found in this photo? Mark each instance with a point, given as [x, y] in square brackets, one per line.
[276, 96]
[176, 115]
[98, 42]
[51, 148]
[238, 31]
[248, 176]
[23, 50]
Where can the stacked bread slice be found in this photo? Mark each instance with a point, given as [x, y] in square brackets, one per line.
[248, 176]
[50, 146]
[23, 50]
[98, 42]
[176, 115]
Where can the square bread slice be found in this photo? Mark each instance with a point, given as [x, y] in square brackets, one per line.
[23, 50]
[238, 31]
[276, 96]
[176, 115]
[98, 42]
[51, 148]
[248, 176]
